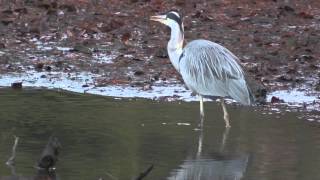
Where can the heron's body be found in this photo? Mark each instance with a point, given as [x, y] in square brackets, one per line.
[207, 68]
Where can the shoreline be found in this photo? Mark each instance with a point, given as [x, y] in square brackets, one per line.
[84, 82]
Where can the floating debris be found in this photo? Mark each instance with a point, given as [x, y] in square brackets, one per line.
[183, 124]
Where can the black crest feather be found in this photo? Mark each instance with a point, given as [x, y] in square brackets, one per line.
[174, 17]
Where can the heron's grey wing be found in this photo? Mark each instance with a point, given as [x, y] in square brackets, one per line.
[210, 69]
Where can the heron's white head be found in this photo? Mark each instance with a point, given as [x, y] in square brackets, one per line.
[171, 19]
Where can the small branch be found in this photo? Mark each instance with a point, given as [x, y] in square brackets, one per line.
[11, 160]
[111, 176]
[144, 173]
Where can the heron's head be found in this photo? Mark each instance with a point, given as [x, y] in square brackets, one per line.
[171, 19]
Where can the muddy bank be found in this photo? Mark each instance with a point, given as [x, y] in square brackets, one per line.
[277, 42]
[85, 82]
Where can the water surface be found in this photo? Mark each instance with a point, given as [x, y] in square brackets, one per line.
[118, 139]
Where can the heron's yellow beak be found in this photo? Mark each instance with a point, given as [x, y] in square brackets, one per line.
[159, 18]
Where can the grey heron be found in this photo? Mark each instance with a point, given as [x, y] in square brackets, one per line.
[207, 68]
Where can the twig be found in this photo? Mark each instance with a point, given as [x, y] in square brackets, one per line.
[11, 160]
[144, 173]
[111, 176]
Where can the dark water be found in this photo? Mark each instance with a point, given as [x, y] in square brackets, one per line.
[118, 139]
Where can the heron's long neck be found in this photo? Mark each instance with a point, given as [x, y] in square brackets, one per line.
[175, 46]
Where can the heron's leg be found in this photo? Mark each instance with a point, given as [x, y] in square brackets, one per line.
[201, 112]
[201, 107]
[225, 113]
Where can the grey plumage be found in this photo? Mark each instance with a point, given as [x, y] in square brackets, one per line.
[209, 69]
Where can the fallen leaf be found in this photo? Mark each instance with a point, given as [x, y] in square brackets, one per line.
[275, 99]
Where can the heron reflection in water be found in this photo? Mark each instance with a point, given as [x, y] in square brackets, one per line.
[217, 167]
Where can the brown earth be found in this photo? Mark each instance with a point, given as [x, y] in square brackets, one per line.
[277, 41]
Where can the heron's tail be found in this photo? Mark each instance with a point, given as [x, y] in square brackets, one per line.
[240, 92]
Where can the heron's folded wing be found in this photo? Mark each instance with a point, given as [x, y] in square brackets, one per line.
[210, 69]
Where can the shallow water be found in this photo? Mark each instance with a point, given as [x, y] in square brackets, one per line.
[118, 139]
